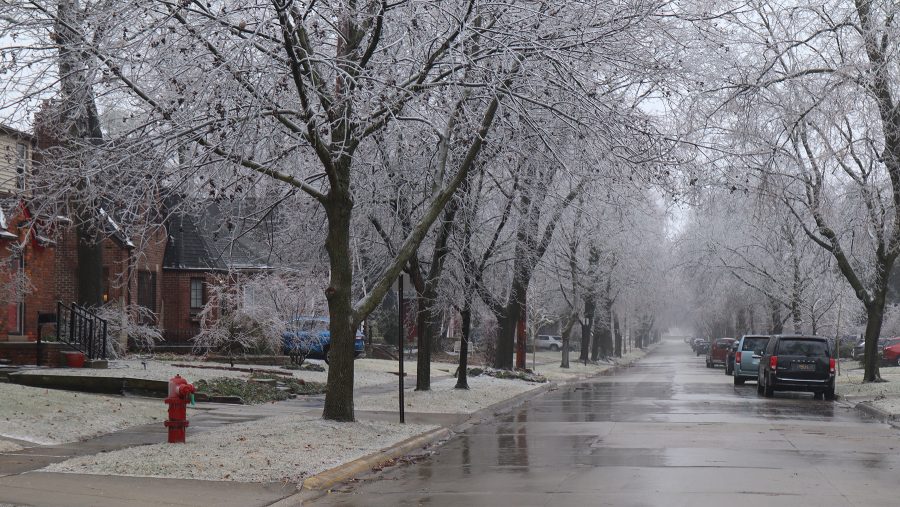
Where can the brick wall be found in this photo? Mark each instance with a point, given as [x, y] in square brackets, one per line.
[179, 321]
[25, 353]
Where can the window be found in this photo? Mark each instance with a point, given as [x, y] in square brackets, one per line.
[799, 347]
[21, 165]
[146, 296]
[197, 299]
[757, 345]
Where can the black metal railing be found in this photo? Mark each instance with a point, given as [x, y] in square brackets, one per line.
[81, 329]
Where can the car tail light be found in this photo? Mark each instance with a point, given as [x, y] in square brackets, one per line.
[831, 365]
[737, 357]
[773, 362]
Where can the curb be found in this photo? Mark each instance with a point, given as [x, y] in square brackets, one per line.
[876, 413]
[342, 473]
[319, 484]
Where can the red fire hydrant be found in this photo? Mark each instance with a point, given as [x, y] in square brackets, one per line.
[180, 394]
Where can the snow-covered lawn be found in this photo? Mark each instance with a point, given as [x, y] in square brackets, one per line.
[443, 398]
[882, 395]
[547, 364]
[46, 416]
[275, 449]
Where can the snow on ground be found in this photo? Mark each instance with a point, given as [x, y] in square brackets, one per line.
[443, 398]
[882, 395]
[7, 446]
[547, 364]
[275, 449]
[46, 416]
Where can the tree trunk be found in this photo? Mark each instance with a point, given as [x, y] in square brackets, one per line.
[587, 326]
[507, 325]
[339, 394]
[874, 318]
[618, 335]
[462, 377]
[566, 334]
[78, 115]
[606, 330]
[424, 330]
[777, 323]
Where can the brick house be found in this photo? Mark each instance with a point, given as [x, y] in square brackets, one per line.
[204, 247]
[166, 271]
[39, 261]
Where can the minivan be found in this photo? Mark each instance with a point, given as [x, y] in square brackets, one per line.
[797, 363]
[746, 357]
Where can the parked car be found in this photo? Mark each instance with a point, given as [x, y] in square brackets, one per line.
[890, 354]
[548, 342]
[310, 337]
[746, 360]
[797, 363]
[701, 346]
[729, 359]
[859, 349]
[718, 351]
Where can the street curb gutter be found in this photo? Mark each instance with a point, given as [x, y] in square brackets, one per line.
[319, 484]
[876, 413]
[347, 471]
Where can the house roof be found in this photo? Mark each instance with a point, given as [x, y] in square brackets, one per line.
[216, 237]
[5, 129]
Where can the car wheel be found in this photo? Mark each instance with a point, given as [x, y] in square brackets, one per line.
[554, 348]
[768, 391]
[738, 381]
[759, 387]
[898, 361]
[829, 393]
[325, 352]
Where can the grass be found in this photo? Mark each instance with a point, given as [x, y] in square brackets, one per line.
[254, 392]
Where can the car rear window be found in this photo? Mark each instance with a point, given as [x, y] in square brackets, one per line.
[723, 344]
[757, 345]
[806, 348]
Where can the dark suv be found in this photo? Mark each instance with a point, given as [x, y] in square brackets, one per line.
[797, 363]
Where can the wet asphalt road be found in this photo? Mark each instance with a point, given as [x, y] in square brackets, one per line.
[668, 432]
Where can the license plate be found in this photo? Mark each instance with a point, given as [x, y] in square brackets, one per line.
[804, 367]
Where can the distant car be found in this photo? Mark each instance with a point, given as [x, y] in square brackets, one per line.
[797, 363]
[729, 359]
[701, 346]
[891, 352]
[548, 342]
[718, 352]
[310, 337]
[746, 358]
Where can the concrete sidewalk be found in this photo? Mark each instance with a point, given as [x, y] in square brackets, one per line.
[39, 489]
